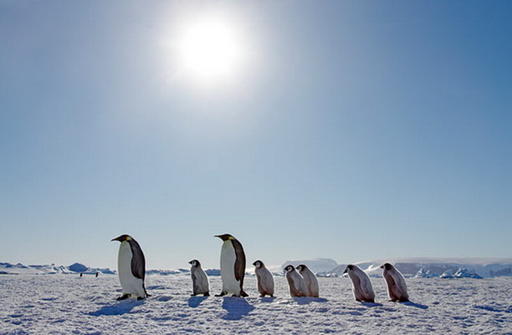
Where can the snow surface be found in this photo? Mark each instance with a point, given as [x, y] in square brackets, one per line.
[10, 268]
[68, 304]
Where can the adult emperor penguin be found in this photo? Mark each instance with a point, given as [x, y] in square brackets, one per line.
[295, 281]
[232, 266]
[397, 290]
[199, 279]
[265, 279]
[131, 267]
[361, 284]
[310, 281]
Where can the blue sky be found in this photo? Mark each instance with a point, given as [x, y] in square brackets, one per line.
[357, 130]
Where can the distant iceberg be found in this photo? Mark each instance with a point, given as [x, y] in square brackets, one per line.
[465, 273]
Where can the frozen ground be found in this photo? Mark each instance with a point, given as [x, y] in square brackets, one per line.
[67, 304]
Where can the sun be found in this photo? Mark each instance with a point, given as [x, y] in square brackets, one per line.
[209, 49]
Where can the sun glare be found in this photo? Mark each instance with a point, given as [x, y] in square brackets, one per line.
[209, 50]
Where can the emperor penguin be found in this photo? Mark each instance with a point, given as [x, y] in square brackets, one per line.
[397, 290]
[131, 267]
[361, 284]
[310, 281]
[265, 279]
[295, 281]
[232, 266]
[200, 283]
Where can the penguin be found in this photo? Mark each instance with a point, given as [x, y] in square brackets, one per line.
[131, 266]
[310, 281]
[265, 279]
[295, 281]
[397, 289]
[361, 284]
[232, 266]
[200, 283]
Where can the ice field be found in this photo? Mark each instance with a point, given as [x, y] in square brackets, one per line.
[68, 304]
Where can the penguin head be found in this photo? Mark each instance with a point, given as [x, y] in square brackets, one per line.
[349, 267]
[301, 267]
[225, 237]
[194, 263]
[258, 264]
[386, 266]
[289, 268]
[122, 238]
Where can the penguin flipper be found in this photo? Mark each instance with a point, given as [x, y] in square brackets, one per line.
[138, 263]
[239, 262]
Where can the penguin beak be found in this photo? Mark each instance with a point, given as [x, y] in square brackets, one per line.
[116, 239]
[382, 266]
[346, 270]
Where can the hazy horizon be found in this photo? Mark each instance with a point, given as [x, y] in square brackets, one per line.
[348, 130]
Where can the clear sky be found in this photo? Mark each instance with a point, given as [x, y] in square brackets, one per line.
[352, 130]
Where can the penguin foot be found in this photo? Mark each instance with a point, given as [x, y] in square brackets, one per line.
[140, 298]
[207, 294]
[193, 295]
[243, 294]
[221, 294]
[123, 297]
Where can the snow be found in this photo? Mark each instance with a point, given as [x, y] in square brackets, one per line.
[8, 268]
[68, 304]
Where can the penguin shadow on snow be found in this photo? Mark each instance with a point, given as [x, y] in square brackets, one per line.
[413, 304]
[267, 299]
[308, 300]
[196, 301]
[237, 308]
[371, 304]
[118, 308]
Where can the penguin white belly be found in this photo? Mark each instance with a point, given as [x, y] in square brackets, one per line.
[227, 269]
[201, 284]
[129, 283]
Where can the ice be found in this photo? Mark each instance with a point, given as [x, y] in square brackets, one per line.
[68, 304]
